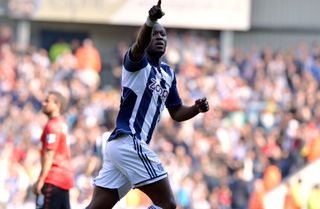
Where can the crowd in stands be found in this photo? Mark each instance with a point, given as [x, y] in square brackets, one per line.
[263, 124]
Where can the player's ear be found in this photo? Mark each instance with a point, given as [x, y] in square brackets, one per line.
[58, 104]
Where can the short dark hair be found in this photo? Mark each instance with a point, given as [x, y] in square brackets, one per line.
[59, 98]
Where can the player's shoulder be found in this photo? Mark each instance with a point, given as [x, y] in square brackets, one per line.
[166, 67]
[132, 66]
[55, 124]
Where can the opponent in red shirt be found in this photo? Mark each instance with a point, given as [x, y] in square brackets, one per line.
[56, 176]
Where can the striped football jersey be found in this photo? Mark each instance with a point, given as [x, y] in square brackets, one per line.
[146, 90]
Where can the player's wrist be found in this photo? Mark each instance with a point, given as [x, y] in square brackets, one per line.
[197, 109]
[150, 23]
[40, 180]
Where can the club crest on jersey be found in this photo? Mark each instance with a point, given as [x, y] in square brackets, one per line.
[155, 86]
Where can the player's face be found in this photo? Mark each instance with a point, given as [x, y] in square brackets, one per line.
[49, 105]
[158, 43]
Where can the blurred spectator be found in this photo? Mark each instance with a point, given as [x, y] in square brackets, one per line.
[6, 34]
[315, 69]
[57, 49]
[257, 195]
[183, 194]
[88, 56]
[271, 176]
[224, 196]
[240, 191]
[298, 192]
[88, 64]
[8, 64]
[290, 200]
[312, 149]
[314, 197]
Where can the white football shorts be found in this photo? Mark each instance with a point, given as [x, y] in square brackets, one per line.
[128, 163]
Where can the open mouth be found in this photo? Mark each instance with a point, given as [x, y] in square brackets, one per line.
[159, 45]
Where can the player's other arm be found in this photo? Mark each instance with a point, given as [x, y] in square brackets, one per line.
[183, 112]
[46, 163]
[144, 36]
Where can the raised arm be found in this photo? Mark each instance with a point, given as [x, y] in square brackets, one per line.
[144, 35]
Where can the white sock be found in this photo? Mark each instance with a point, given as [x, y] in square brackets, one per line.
[154, 207]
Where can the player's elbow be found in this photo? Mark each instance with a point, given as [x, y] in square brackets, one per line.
[177, 119]
[179, 116]
[175, 114]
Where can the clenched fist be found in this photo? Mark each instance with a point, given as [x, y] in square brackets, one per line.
[155, 12]
[202, 105]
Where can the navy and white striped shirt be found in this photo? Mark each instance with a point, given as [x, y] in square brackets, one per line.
[146, 90]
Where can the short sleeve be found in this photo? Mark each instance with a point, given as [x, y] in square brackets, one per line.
[52, 137]
[132, 66]
[173, 99]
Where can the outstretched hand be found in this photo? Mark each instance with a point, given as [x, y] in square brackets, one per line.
[202, 105]
[155, 12]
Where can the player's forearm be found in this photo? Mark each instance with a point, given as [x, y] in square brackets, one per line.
[46, 164]
[183, 113]
[142, 42]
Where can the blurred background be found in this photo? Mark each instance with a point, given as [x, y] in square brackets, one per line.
[257, 62]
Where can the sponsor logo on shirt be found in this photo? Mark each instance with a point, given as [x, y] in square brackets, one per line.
[51, 138]
[155, 86]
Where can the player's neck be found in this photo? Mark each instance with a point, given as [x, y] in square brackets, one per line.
[54, 115]
[154, 60]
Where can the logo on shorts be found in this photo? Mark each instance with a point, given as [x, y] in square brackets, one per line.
[160, 167]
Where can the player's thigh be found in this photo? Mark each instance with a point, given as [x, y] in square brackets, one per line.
[65, 198]
[136, 161]
[110, 176]
[103, 198]
[159, 192]
[52, 198]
